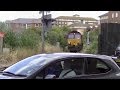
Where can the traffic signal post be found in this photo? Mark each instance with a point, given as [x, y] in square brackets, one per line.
[46, 26]
[42, 33]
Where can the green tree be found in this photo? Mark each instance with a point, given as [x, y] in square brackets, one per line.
[57, 34]
[10, 39]
[29, 38]
[93, 47]
[3, 27]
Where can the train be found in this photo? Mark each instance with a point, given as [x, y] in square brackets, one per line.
[74, 41]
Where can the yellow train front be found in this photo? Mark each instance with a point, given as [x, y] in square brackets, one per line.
[74, 40]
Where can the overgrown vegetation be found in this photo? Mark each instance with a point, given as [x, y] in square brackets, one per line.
[58, 35]
[93, 46]
[21, 53]
[28, 42]
[28, 39]
[31, 38]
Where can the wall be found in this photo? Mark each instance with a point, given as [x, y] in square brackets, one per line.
[109, 38]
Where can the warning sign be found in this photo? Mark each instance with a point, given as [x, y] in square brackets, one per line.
[2, 34]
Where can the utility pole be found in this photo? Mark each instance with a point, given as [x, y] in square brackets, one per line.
[88, 38]
[43, 31]
[88, 35]
[43, 34]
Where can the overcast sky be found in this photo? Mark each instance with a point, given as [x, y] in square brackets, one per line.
[10, 15]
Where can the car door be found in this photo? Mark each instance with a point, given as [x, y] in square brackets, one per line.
[68, 67]
[77, 69]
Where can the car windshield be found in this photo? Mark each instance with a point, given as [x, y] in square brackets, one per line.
[27, 66]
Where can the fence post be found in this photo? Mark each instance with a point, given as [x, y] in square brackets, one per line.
[1, 44]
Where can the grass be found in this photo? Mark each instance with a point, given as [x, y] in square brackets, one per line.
[51, 49]
[18, 54]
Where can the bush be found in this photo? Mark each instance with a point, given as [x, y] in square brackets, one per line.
[10, 39]
[28, 38]
[3, 27]
[57, 34]
[93, 47]
[52, 37]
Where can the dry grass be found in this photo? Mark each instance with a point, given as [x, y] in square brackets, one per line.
[8, 59]
[51, 49]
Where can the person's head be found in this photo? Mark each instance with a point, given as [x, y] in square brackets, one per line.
[117, 52]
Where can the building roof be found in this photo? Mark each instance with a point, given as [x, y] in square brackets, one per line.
[88, 18]
[76, 18]
[8, 21]
[24, 20]
[103, 15]
[68, 17]
[79, 25]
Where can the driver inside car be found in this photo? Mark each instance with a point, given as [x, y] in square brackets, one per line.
[54, 69]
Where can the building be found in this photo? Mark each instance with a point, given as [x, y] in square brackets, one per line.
[82, 27]
[79, 27]
[68, 20]
[23, 23]
[110, 17]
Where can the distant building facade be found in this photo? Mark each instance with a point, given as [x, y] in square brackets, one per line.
[68, 20]
[23, 23]
[110, 17]
[74, 22]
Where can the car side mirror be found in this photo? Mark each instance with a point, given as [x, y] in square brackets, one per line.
[50, 76]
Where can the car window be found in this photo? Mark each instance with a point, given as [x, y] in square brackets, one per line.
[64, 68]
[51, 69]
[96, 66]
[101, 65]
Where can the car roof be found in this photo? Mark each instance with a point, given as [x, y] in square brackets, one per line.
[68, 54]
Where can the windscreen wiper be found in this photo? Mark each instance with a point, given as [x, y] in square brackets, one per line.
[9, 73]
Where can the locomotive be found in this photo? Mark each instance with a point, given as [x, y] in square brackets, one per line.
[74, 41]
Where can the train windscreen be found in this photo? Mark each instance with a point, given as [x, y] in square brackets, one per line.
[77, 36]
[71, 36]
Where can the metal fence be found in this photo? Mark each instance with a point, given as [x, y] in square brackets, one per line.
[109, 38]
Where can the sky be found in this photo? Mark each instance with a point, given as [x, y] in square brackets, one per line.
[11, 15]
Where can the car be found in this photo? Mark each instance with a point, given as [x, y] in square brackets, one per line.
[63, 66]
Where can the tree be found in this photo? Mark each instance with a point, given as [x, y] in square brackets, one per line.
[57, 34]
[3, 27]
[10, 39]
